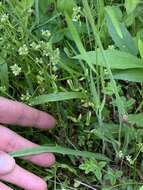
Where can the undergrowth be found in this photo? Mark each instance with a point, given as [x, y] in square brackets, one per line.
[82, 61]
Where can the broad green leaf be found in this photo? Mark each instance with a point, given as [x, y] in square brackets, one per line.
[130, 5]
[44, 5]
[140, 46]
[59, 150]
[117, 59]
[63, 6]
[60, 96]
[110, 12]
[126, 43]
[136, 119]
[133, 75]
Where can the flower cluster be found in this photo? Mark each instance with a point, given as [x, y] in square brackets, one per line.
[130, 160]
[40, 79]
[16, 70]
[35, 46]
[46, 33]
[23, 50]
[76, 14]
[54, 57]
[25, 97]
[111, 47]
[120, 154]
[2, 88]
[39, 60]
[46, 50]
[4, 18]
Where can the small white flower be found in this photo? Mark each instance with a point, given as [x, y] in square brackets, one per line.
[120, 154]
[77, 184]
[35, 46]
[38, 60]
[4, 18]
[2, 88]
[129, 159]
[46, 33]
[55, 56]
[76, 14]
[45, 53]
[40, 79]
[111, 47]
[23, 50]
[16, 70]
[30, 11]
[25, 97]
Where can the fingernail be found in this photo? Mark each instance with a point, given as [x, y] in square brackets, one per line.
[7, 163]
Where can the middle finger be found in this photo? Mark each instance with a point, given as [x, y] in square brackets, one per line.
[10, 141]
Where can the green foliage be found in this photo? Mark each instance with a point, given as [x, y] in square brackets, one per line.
[117, 59]
[63, 6]
[82, 61]
[113, 175]
[130, 5]
[56, 97]
[140, 45]
[112, 16]
[22, 6]
[58, 149]
[94, 167]
[125, 42]
[132, 75]
[136, 119]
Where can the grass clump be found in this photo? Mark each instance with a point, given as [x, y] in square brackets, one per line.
[82, 61]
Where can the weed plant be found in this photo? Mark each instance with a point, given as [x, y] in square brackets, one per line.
[82, 61]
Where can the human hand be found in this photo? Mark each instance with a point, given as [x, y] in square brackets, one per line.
[19, 114]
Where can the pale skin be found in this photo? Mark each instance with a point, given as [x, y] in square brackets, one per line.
[15, 113]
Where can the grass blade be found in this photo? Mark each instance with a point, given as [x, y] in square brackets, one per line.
[59, 150]
[77, 39]
[60, 96]
[4, 75]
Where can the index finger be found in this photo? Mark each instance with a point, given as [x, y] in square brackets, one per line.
[13, 112]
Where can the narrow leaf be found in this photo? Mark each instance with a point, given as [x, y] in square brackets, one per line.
[76, 38]
[58, 149]
[4, 75]
[60, 96]
[116, 24]
[140, 46]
